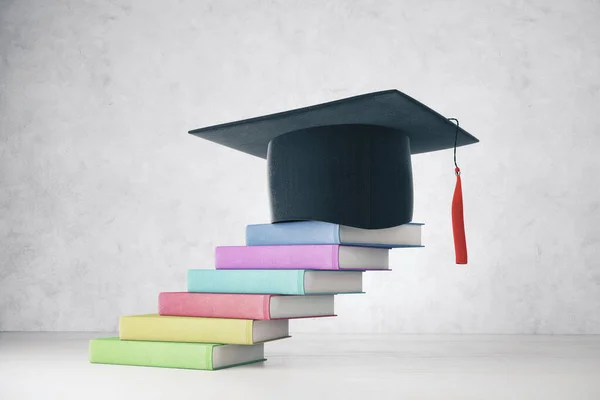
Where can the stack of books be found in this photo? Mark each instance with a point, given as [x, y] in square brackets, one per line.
[285, 271]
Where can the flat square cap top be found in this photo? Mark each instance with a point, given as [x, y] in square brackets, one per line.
[427, 130]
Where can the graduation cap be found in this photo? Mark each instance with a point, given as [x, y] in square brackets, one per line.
[347, 161]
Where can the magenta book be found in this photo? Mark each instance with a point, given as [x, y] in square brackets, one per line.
[244, 306]
[319, 257]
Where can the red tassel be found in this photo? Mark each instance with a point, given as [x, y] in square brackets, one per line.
[458, 222]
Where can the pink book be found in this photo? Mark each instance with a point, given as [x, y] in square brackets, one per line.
[323, 257]
[244, 306]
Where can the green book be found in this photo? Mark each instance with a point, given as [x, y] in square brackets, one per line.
[204, 356]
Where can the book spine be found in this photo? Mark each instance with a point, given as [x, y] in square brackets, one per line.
[301, 282]
[243, 281]
[249, 331]
[214, 305]
[277, 257]
[292, 233]
[267, 307]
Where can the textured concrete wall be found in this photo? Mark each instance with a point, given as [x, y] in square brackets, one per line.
[105, 200]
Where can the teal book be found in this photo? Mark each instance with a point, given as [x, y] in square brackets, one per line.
[296, 282]
[204, 356]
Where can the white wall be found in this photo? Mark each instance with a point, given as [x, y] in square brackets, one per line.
[105, 199]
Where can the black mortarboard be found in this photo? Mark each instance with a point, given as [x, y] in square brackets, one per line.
[347, 161]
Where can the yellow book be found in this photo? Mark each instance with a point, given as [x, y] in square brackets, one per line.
[162, 328]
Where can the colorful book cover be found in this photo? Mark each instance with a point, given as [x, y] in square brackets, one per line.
[244, 306]
[318, 232]
[201, 356]
[162, 328]
[315, 257]
[291, 282]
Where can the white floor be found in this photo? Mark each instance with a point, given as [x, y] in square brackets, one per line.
[55, 366]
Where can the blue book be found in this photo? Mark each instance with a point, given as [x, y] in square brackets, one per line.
[297, 282]
[316, 232]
